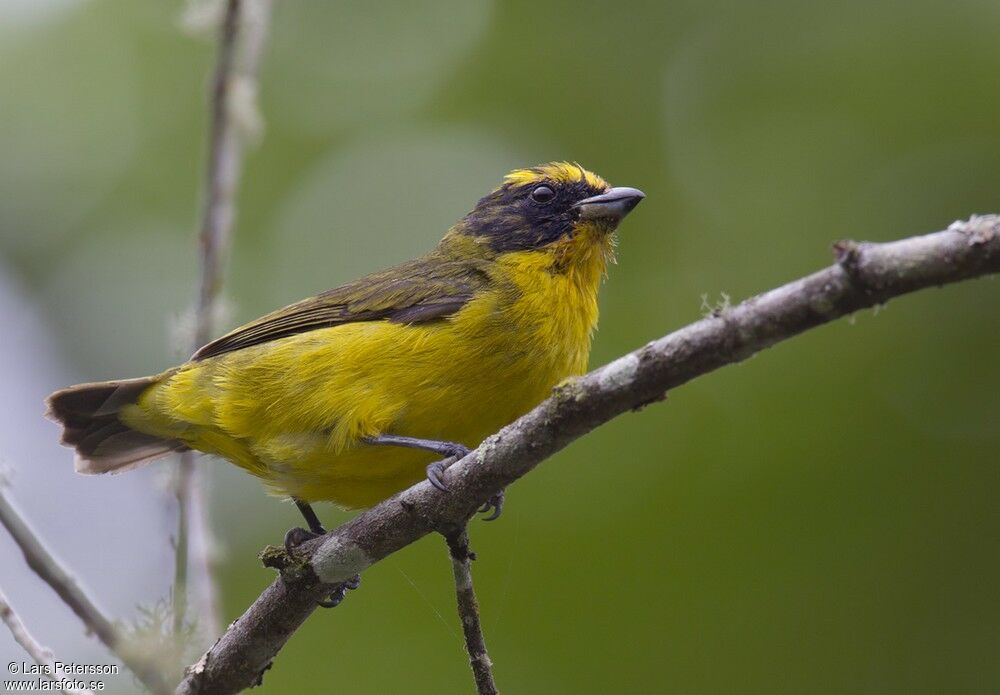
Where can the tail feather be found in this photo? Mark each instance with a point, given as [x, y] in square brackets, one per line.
[103, 443]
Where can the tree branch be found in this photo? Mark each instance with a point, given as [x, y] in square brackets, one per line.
[865, 275]
[52, 573]
[39, 654]
[468, 611]
[234, 117]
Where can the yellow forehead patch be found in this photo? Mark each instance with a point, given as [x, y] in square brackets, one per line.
[558, 172]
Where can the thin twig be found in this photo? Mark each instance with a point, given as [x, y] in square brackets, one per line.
[242, 35]
[185, 477]
[864, 275]
[39, 654]
[468, 610]
[52, 573]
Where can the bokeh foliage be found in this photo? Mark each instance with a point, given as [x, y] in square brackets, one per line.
[820, 519]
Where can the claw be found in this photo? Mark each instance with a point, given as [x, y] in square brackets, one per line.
[435, 474]
[334, 600]
[297, 536]
[458, 451]
[494, 503]
[338, 594]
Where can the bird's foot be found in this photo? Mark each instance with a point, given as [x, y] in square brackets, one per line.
[338, 594]
[435, 475]
[297, 536]
[435, 471]
[494, 503]
[456, 451]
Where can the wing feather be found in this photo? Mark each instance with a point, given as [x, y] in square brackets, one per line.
[427, 289]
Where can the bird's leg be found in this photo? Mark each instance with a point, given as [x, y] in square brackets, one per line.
[310, 516]
[436, 445]
[435, 471]
[299, 535]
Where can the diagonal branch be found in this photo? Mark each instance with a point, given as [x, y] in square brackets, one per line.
[865, 275]
[63, 583]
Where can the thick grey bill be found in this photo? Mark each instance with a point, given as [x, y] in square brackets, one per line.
[613, 205]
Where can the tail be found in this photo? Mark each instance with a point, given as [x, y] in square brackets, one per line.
[103, 443]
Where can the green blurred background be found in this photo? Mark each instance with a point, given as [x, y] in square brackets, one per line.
[822, 518]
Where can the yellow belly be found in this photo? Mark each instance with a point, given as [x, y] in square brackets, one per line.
[294, 411]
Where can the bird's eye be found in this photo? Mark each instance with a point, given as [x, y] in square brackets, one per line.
[543, 194]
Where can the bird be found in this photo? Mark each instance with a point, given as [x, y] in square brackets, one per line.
[361, 391]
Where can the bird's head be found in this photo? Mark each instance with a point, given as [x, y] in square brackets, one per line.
[557, 207]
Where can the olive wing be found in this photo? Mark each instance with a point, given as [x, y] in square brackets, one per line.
[416, 292]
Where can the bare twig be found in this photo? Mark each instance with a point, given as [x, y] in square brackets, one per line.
[864, 275]
[468, 610]
[242, 35]
[39, 654]
[241, 43]
[52, 573]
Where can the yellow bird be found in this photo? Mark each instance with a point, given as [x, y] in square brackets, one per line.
[357, 393]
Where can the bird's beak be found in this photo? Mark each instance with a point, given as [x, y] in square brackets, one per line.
[611, 206]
